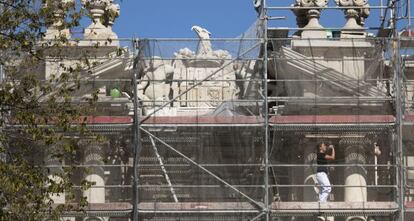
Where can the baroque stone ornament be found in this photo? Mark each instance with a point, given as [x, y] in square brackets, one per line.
[307, 16]
[103, 14]
[355, 16]
[257, 6]
[205, 51]
[112, 12]
[57, 29]
[203, 34]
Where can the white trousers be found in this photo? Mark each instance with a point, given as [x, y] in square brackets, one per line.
[324, 186]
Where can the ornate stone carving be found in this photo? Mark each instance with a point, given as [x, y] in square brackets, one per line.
[355, 16]
[57, 29]
[308, 18]
[257, 6]
[103, 14]
[163, 79]
[154, 88]
[193, 66]
[112, 12]
[203, 34]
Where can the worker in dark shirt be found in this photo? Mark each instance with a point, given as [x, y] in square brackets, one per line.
[322, 172]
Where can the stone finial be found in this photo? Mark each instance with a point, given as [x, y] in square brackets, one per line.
[112, 12]
[103, 17]
[58, 29]
[355, 16]
[308, 18]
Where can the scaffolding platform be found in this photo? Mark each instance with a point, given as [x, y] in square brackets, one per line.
[299, 123]
[334, 208]
[276, 208]
[235, 120]
[321, 123]
[205, 120]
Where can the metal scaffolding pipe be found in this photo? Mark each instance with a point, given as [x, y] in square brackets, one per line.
[137, 145]
[326, 7]
[409, 17]
[257, 217]
[399, 106]
[167, 177]
[265, 111]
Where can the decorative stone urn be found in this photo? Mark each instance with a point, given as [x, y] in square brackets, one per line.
[103, 14]
[112, 12]
[308, 13]
[356, 14]
[57, 29]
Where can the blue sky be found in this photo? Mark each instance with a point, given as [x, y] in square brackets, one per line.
[223, 18]
[174, 18]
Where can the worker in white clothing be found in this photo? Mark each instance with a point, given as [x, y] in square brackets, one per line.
[322, 172]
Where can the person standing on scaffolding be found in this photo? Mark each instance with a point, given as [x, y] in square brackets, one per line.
[322, 171]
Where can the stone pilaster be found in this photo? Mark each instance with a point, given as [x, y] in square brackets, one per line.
[93, 156]
[355, 175]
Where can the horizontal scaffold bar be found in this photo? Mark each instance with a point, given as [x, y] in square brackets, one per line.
[277, 208]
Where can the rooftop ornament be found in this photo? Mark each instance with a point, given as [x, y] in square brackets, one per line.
[307, 17]
[103, 14]
[258, 6]
[204, 35]
[112, 12]
[356, 13]
[58, 29]
[205, 55]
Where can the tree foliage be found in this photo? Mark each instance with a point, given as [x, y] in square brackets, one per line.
[37, 112]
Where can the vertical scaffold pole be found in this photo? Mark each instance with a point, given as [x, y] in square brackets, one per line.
[263, 17]
[137, 135]
[399, 104]
[400, 113]
[409, 17]
[1, 73]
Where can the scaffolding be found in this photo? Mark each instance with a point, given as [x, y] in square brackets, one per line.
[226, 129]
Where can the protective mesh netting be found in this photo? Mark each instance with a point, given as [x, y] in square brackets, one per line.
[205, 131]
